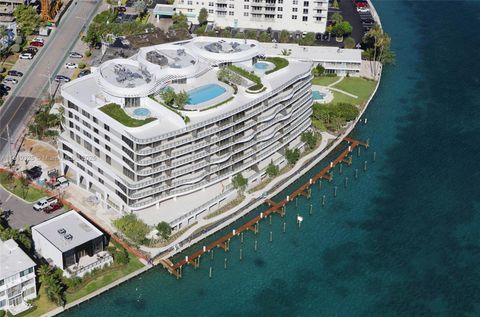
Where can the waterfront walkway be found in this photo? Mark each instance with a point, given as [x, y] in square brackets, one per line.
[252, 225]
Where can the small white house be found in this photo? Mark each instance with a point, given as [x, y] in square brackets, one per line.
[72, 243]
[17, 278]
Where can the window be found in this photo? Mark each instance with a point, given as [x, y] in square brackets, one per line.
[294, 17]
[96, 140]
[106, 127]
[95, 130]
[294, 9]
[29, 291]
[108, 159]
[305, 3]
[100, 181]
[107, 148]
[107, 138]
[86, 114]
[305, 11]
[95, 120]
[304, 19]
[97, 152]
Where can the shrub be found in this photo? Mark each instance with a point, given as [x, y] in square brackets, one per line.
[88, 53]
[81, 65]
[164, 230]
[72, 282]
[309, 138]
[239, 182]
[292, 156]
[272, 169]
[120, 256]
[15, 48]
[134, 228]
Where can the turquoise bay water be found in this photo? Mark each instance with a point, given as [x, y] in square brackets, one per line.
[401, 240]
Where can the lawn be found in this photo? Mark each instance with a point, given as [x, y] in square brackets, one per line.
[339, 97]
[279, 63]
[108, 277]
[324, 80]
[358, 86]
[14, 185]
[42, 303]
[117, 113]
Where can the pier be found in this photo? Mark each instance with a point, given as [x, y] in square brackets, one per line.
[274, 208]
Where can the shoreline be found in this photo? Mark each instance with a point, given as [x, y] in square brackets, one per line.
[311, 160]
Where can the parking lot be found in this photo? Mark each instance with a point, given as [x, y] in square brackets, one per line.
[22, 213]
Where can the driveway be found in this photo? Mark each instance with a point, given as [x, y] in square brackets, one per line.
[22, 212]
[49, 60]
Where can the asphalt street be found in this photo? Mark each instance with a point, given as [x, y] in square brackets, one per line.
[17, 109]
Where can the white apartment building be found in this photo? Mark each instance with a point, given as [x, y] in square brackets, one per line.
[17, 278]
[290, 15]
[220, 132]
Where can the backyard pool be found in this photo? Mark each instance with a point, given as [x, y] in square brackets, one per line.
[205, 93]
[316, 95]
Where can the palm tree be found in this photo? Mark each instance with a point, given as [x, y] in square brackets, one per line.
[44, 273]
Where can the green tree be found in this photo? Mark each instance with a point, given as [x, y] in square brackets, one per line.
[284, 36]
[180, 21]
[168, 96]
[202, 16]
[342, 28]
[25, 183]
[239, 183]
[227, 33]
[378, 43]
[164, 230]
[251, 34]
[27, 18]
[181, 99]
[309, 39]
[337, 17]
[264, 37]
[44, 273]
[292, 156]
[309, 138]
[272, 169]
[335, 4]
[318, 70]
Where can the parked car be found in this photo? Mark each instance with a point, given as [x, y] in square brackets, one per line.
[363, 10]
[4, 87]
[37, 44]
[121, 9]
[71, 65]
[75, 55]
[15, 73]
[31, 49]
[10, 80]
[53, 207]
[84, 72]
[361, 5]
[38, 39]
[368, 21]
[45, 203]
[3, 93]
[61, 78]
[26, 56]
[34, 172]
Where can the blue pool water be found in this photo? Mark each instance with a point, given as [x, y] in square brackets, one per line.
[261, 65]
[205, 93]
[317, 95]
[142, 112]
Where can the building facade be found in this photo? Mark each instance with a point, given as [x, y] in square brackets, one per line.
[71, 243]
[290, 15]
[17, 278]
[181, 151]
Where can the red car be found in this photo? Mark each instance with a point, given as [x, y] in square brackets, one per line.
[361, 4]
[53, 208]
[37, 44]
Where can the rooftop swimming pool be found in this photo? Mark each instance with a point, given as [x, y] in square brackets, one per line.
[262, 67]
[205, 93]
[142, 112]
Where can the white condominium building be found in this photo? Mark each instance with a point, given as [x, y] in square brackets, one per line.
[17, 278]
[124, 142]
[290, 15]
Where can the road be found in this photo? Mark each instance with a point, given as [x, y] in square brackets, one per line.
[16, 111]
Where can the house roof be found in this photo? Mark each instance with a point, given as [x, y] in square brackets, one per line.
[67, 231]
[12, 259]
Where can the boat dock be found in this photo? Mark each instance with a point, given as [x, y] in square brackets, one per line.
[274, 207]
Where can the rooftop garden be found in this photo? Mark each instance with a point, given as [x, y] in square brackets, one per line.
[279, 63]
[248, 75]
[116, 112]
